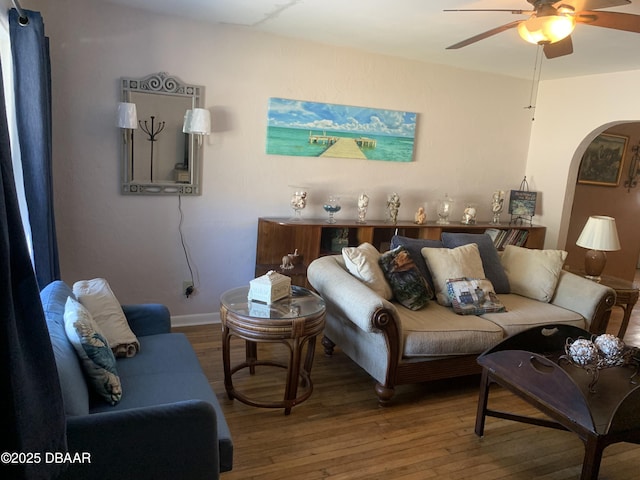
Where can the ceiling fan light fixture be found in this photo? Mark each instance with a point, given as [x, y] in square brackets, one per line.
[541, 30]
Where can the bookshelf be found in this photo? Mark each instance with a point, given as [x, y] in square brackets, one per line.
[315, 237]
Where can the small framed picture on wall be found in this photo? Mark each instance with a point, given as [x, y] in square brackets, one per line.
[602, 162]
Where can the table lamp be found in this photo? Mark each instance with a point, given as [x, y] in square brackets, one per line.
[599, 235]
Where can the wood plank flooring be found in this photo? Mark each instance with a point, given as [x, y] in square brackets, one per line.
[340, 432]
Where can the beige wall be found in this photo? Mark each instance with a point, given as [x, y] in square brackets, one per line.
[472, 138]
[571, 113]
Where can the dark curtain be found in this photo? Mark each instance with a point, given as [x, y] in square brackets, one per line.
[32, 73]
[32, 418]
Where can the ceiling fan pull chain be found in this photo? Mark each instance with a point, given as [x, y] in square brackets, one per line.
[537, 71]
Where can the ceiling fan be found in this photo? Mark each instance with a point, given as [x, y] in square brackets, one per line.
[551, 22]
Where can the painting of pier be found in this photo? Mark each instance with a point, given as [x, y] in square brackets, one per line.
[313, 129]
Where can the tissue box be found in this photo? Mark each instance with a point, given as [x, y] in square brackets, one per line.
[269, 288]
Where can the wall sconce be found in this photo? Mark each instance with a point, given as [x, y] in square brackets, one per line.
[599, 235]
[197, 122]
[548, 25]
[127, 115]
[128, 122]
[632, 181]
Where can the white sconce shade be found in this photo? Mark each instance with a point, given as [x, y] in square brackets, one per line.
[200, 121]
[599, 235]
[197, 122]
[127, 115]
[186, 126]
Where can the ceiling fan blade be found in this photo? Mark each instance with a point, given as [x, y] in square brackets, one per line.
[518, 12]
[581, 5]
[558, 49]
[618, 21]
[482, 36]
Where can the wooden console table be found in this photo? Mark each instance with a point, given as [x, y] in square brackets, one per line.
[312, 238]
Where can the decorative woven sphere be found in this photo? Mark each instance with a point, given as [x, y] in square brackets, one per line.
[583, 352]
[610, 345]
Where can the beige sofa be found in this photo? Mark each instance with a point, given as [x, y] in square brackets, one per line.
[397, 345]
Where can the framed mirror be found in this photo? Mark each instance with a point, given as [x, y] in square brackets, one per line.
[157, 157]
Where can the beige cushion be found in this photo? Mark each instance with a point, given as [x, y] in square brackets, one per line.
[533, 273]
[436, 331]
[362, 263]
[449, 263]
[524, 313]
[98, 298]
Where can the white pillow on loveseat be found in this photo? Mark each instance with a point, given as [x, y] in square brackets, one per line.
[362, 263]
[98, 298]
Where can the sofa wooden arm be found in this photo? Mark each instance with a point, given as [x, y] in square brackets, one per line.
[387, 323]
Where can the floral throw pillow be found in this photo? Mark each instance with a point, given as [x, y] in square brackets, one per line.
[407, 283]
[96, 357]
[473, 296]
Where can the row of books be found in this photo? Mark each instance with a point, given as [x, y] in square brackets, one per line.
[512, 236]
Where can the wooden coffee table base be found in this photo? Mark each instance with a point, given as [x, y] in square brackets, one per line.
[610, 415]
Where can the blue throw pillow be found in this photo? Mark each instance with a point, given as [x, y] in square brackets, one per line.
[414, 247]
[491, 264]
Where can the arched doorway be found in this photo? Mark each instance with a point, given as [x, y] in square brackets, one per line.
[619, 201]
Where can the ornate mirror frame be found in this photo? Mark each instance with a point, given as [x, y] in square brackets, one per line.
[157, 157]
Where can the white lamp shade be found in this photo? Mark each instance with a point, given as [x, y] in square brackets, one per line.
[200, 121]
[127, 115]
[599, 233]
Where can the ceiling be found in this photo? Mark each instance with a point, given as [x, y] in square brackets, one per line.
[419, 30]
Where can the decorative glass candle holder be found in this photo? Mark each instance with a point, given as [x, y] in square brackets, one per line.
[445, 205]
[469, 214]
[298, 202]
[363, 204]
[332, 206]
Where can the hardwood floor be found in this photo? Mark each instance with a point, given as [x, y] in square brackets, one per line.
[340, 432]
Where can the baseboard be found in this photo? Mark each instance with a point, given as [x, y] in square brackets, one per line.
[196, 319]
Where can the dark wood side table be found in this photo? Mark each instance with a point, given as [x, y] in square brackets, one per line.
[528, 364]
[294, 321]
[626, 297]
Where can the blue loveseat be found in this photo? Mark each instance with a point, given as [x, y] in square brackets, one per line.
[168, 424]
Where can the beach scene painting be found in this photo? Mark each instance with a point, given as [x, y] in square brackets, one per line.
[313, 129]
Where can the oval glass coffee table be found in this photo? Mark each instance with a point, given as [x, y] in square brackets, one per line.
[294, 321]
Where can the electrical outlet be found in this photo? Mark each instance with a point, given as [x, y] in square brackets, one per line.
[187, 288]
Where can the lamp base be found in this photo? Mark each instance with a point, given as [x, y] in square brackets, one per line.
[594, 262]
